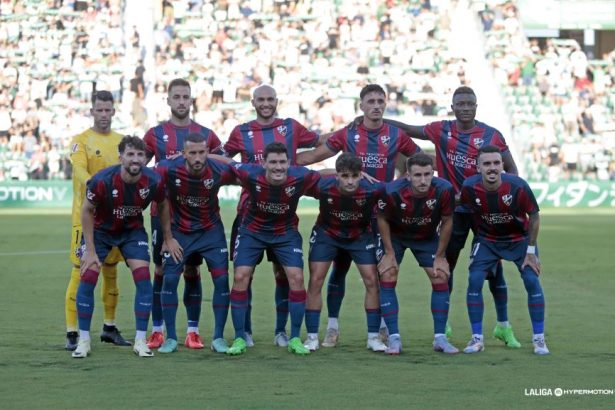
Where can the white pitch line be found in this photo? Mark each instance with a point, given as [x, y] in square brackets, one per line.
[33, 253]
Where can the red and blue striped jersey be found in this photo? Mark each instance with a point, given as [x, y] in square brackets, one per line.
[273, 208]
[345, 216]
[457, 151]
[378, 148]
[119, 205]
[193, 200]
[250, 139]
[500, 215]
[167, 139]
[415, 217]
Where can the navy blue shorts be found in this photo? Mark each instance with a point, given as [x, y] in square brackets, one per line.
[210, 244]
[235, 231]
[132, 244]
[486, 254]
[249, 247]
[324, 248]
[157, 239]
[424, 251]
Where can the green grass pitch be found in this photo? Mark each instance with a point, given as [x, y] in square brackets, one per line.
[576, 252]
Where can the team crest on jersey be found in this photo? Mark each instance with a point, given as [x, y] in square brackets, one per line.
[250, 134]
[289, 190]
[165, 137]
[478, 142]
[361, 201]
[143, 192]
[385, 139]
[507, 199]
[356, 138]
[178, 182]
[208, 183]
[114, 193]
[431, 203]
[282, 130]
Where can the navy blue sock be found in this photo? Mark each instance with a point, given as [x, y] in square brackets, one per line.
[239, 305]
[336, 287]
[85, 299]
[373, 320]
[143, 297]
[169, 302]
[157, 319]
[389, 306]
[281, 304]
[535, 299]
[312, 320]
[439, 306]
[193, 297]
[499, 290]
[220, 301]
[474, 301]
[296, 307]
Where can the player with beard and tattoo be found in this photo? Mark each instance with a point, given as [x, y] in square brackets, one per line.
[166, 141]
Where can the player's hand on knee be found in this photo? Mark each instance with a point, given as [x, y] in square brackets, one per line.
[90, 261]
[388, 262]
[173, 248]
[441, 268]
[533, 262]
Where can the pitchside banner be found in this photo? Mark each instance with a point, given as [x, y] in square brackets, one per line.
[59, 194]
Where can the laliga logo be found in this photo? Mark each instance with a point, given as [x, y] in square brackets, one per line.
[165, 138]
[282, 130]
[431, 203]
[478, 142]
[143, 193]
[250, 134]
[507, 199]
[478, 202]
[208, 183]
[114, 193]
[290, 190]
[385, 139]
[356, 138]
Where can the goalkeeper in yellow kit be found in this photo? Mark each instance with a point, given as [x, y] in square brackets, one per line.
[92, 150]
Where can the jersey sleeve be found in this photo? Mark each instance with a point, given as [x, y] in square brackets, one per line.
[95, 191]
[406, 145]
[162, 170]
[432, 130]
[337, 141]
[305, 137]
[234, 144]
[214, 144]
[79, 159]
[499, 141]
[447, 199]
[310, 179]
[242, 171]
[160, 191]
[150, 142]
[227, 176]
[527, 200]
[465, 197]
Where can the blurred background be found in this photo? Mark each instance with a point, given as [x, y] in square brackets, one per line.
[542, 70]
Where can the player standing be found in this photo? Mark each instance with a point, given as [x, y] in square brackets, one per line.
[249, 140]
[112, 216]
[165, 141]
[344, 223]
[506, 217]
[192, 225]
[92, 150]
[270, 223]
[457, 143]
[413, 210]
[378, 145]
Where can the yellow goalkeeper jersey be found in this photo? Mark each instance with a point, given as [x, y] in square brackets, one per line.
[90, 152]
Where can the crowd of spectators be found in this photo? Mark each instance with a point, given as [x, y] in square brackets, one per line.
[561, 103]
[316, 53]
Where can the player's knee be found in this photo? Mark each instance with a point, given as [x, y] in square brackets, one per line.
[389, 276]
[191, 271]
[242, 278]
[530, 279]
[476, 280]
[170, 282]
